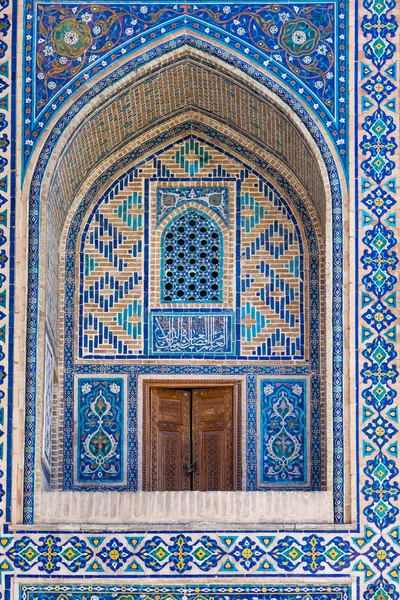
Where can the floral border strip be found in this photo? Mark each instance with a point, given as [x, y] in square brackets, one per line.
[6, 243]
[378, 259]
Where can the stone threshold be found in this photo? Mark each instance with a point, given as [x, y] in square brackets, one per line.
[166, 509]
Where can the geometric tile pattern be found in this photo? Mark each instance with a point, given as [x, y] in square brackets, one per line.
[283, 432]
[195, 592]
[272, 273]
[111, 304]
[117, 285]
[191, 259]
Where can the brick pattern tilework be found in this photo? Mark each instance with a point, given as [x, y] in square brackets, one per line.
[119, 279]
[172, 88]
[111, 273]
[186, 84]
[272, 275]
[206, 168]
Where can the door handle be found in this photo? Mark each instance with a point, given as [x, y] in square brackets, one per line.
[190, 468]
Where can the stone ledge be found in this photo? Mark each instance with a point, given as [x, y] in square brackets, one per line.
[182, 508]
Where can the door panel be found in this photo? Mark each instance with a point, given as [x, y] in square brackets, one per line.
[170, 439]
[212, 439]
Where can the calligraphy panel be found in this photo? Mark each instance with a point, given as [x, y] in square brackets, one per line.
[191, 333]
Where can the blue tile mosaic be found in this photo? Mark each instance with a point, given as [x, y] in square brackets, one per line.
[101, 430]
[284, 456]
[191, 333]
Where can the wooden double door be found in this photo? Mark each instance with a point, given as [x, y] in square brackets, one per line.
[191, 439]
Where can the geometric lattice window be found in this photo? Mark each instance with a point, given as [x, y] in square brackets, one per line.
[192, 250]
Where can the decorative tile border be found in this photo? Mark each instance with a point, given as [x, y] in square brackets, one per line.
[28, 591]
[7, 215]
[378, 180]
[193, 554]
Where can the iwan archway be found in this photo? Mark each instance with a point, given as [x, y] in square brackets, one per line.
[186, 143]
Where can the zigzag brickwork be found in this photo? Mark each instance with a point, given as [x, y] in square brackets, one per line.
[272, 300]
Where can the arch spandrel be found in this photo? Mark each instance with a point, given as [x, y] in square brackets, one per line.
[285, 42]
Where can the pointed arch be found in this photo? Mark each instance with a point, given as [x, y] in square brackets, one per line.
[66, 155]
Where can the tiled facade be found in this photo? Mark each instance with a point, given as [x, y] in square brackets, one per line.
[305, 93]
[269, 283]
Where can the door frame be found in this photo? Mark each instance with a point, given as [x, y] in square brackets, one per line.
[145, 383]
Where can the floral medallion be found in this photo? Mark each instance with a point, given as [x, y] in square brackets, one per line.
[299, 37]
[71, 38]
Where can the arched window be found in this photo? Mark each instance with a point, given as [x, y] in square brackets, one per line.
[191, 263]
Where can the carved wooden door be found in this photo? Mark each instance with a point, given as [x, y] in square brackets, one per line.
[191, 439]
[212, 439]
[170, 425]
